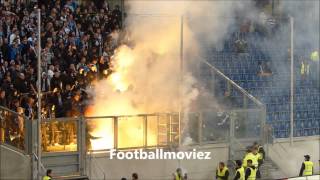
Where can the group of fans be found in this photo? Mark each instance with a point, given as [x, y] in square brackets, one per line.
[77, 45]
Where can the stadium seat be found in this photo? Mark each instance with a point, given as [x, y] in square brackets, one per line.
[274, 91]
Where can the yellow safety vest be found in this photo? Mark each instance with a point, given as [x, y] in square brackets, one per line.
[308, 167]
[252, 174]
[314, 56]
[221, 173]
[241, 172]
[304, 68]
[260, 157]
[251, 156]
[177, 176]
[260, 154]
[46, 178]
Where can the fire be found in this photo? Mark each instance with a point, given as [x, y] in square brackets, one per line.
[130, 129]
[121, 61]
[118, 82]
[142, 79]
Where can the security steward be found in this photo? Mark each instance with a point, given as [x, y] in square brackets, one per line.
[239, 171]
[251, 171]
[306, 167]
[253, 155]
[178, 174]
[261, 151]
[222, 172]
[48, 176]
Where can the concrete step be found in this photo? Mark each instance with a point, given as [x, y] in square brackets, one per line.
[269, 170]
[71, 178]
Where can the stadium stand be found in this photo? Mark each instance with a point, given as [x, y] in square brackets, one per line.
[273, 89]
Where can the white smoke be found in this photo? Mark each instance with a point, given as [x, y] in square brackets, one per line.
[150, 69]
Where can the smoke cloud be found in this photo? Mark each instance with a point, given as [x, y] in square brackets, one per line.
[146, 76]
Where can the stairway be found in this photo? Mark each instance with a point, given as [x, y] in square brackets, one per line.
[71, 178]
[269, 170]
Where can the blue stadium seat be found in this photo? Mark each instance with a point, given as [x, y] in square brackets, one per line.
[274, 90]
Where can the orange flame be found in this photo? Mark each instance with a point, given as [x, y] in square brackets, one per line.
[130, 129]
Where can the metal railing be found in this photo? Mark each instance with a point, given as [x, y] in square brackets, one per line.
[14, 129]
[148, 130]
[59, 135]
[247, 113]
[217, 74]
[133, 131]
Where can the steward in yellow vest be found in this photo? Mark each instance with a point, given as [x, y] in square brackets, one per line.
[178, 174]
[254, 156]
[48, 175]
[222, 172]
[314, 56]
[305, 68]
[239, 171]
[251, 171]
[306, 167]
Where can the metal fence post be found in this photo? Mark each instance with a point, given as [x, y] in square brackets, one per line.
[115, 132]
[82, 146]
[200, 128]
[145, 131]
[231, 136]
[28, 136]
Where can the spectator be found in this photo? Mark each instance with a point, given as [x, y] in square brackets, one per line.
[58, 107]
[14, 37]
[13, 50]
[45, 83]
[29, 112]
[241, 46]
[3, 100]
[264, 69]
[73, 41]
[228, 101]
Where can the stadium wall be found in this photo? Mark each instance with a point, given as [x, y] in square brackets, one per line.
[14, 164]
[290, 157]
[157, 169]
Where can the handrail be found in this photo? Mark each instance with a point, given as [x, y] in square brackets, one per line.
[11, 111]
[281, 158]
[37, 158]
[131, 115]
[14, 149]
[260, 104]
[104, 117]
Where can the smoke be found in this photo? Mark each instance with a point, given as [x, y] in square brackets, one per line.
[147, 76]
[306, 22]
[276, 47]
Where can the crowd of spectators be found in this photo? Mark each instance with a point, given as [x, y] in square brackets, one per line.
[76, 47]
